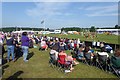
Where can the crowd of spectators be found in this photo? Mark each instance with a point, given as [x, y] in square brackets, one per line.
[79, 50]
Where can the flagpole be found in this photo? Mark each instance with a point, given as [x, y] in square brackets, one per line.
[44, 27]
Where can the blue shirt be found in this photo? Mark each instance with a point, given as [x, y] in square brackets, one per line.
[10, 42]
[25, 41]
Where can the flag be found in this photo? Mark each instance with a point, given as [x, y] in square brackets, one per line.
[42, 21]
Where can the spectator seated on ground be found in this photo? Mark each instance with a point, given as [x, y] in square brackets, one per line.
[71, 45]
[80, 54]
[102, 45]
[108, 48]
[36, 40]
[50, 43]
[43, 45]
[31, 43]
[87, 53]
[62, 45]
[92, 52]
[115, 60]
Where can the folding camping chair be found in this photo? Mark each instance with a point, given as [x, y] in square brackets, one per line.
[52, 60]
[80, 57]
[63, 65]
[103, 62]
[113, 69]
[88, 58]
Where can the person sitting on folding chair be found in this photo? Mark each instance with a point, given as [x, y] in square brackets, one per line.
[53, 55]
[103, 52]
[115, 60]
[69, 58]
[88, 55]
[109, 49]
[103, 59]
[80, 54]
[66, 62]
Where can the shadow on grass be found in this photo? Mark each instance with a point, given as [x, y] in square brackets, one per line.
[4, 61]
[30, 55]
[18, 53]
[3, 68]
[15, 75]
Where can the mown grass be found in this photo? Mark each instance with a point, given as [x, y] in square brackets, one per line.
[114, 39]
[38, 67]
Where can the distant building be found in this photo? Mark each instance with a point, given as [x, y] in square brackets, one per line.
[111, 31]
[50, 32]
[44, 32]
[28, 31]
[57, 31]
[40, 32]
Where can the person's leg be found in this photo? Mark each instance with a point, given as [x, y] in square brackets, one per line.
[3, 51]
[18, 52]
[71, 68]
[25, 52]
[15, 53]
[8, 51]
[46, 47]
[75, 62]
[12, 52]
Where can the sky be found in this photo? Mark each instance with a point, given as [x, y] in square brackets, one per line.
[59, 14]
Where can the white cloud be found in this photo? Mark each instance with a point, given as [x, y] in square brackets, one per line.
[107, 14]
[102, 7]
[47, 9]
[111, 10]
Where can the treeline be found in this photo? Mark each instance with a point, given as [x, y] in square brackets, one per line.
[116, 27]
[91, 29]
[10, 29]
[72, 29]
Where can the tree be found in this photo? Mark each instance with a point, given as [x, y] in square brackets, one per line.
[92, 29]
[48, 29]
[117, 27]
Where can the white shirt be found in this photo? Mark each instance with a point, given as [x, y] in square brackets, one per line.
[43, 43]
[1, 41]
[94, 43]
[72, 44]
[54, 52]
[103, 53]
[98, 43]
[78, 41]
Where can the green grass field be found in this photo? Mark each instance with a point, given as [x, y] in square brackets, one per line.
[114, 39]
[38, 66]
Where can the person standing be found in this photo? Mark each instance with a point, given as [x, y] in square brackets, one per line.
[10, 47]
[25, 45]
[2, 46]
[17, 49]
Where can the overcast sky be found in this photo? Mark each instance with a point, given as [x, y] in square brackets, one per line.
[60, 14]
